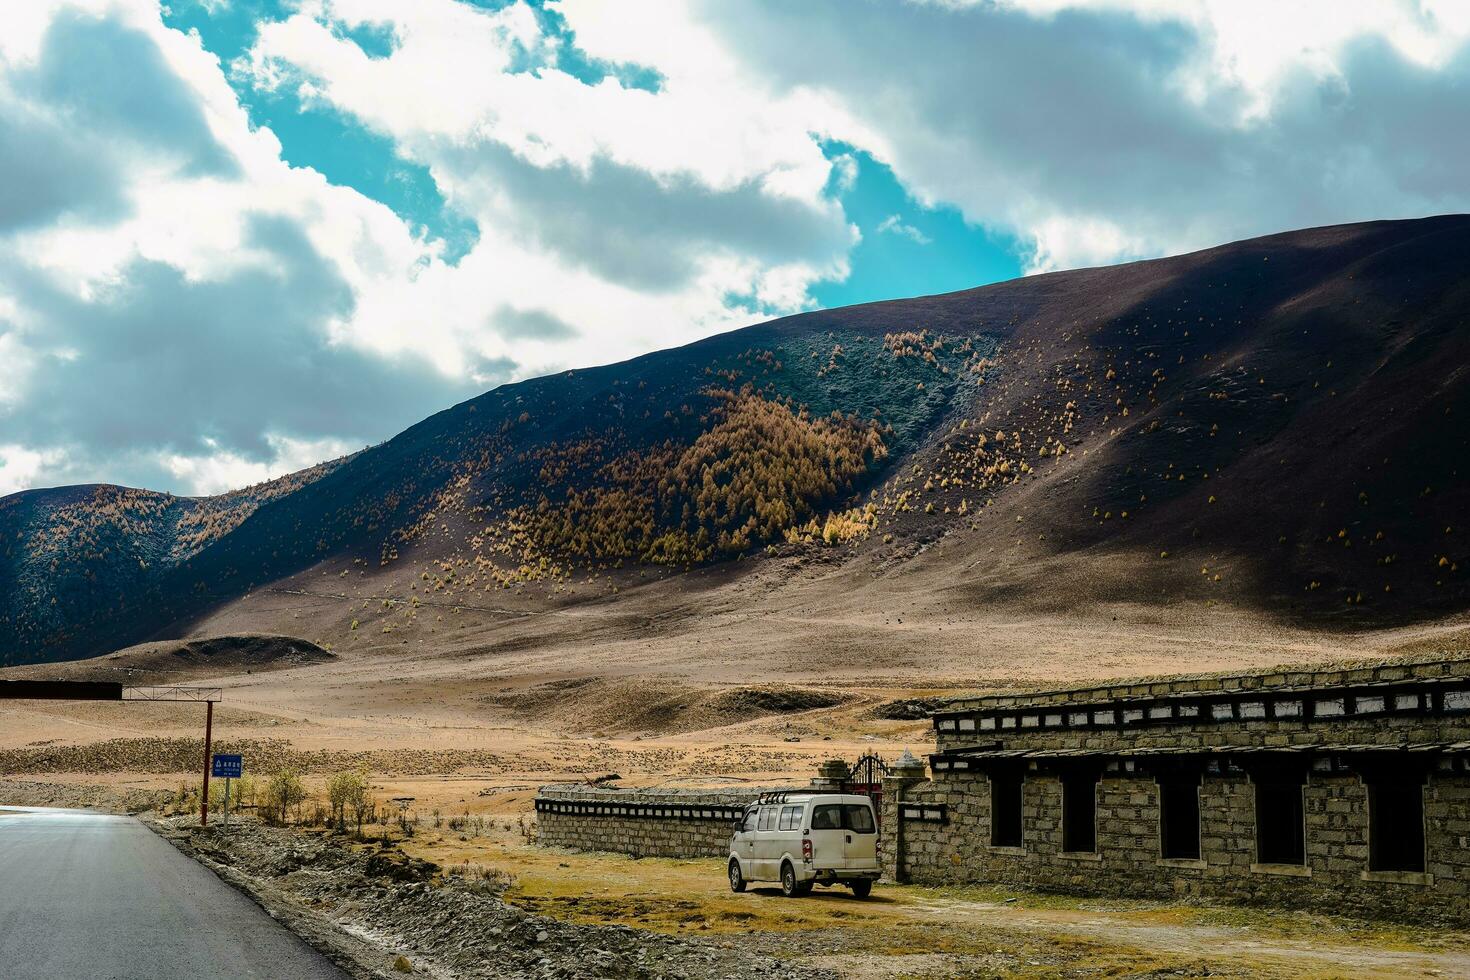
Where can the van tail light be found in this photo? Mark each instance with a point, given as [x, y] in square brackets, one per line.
[806, 850]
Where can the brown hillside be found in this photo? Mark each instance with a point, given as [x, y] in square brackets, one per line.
[1273, 429]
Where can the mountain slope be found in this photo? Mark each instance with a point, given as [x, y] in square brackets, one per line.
[1276, 424]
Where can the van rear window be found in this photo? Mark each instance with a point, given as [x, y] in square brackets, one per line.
[790, 818]
[859, 818]
[827, 817]
[856, 817]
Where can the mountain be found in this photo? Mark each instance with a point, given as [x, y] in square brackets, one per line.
[1278, 425]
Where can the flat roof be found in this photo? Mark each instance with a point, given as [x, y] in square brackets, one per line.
[1284, 678]
[1452, 748]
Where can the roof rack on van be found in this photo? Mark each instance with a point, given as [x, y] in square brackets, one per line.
[769, 798]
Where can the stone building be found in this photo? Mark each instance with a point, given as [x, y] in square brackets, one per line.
[1335, 789]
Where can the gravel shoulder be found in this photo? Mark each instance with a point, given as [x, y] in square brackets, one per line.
[377, 912]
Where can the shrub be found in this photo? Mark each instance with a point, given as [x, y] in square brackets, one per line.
[347, 790]
[283, 793]
[242, 794]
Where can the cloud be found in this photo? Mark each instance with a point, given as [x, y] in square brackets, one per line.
[629, 227]
[48, 173]
[182, 308]
[532, 325]
[20, 467]
[1112, 130]
[223, 470]
[637, 213]
[895, 225]
[643, 189]
[190, 366]
[179, 307]
[112, 81]
[176, 304]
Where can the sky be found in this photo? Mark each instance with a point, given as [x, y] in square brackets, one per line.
[238, 237]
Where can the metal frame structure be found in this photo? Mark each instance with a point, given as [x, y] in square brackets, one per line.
[112, 691]
[194, 694]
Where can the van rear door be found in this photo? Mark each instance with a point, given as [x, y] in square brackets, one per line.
[827, 837]
[860, 841]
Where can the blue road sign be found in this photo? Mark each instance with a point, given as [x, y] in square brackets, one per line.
[227, 766]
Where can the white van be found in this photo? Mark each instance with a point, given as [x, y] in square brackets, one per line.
[805, 839]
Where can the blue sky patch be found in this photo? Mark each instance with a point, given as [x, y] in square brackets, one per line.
[375, 40]
[908, 249]
[571, 58]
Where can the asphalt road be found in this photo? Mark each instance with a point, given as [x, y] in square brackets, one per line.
[96, 897]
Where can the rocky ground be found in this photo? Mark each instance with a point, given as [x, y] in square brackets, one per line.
[487, 901]
[378, 912]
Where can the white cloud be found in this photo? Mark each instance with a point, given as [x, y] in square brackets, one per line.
[183, 293]
[448, 80]
[629, 215]
[20, 467]
[191, 308]
[179, 306]
[895, 225]
[1259, 44]
[221, 470]
[1102, 130]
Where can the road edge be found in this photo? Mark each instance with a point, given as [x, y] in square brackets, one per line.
[355, 956]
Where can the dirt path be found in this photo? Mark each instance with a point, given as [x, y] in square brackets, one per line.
[1240, 945]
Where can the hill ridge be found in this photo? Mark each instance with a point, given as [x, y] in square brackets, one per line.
[1282, 411]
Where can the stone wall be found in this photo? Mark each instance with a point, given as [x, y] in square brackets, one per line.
[1127, 862]
[643, 823]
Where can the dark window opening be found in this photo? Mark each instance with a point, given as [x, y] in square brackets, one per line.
[1395, 826]
[1280, 831]
[1079, 812]
[1005, 809]
[1179, 817]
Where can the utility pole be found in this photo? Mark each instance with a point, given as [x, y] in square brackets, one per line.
[208, 734]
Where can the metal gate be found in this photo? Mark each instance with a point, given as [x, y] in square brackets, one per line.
[866, 777]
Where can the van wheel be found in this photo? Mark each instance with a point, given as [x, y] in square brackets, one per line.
[861, 888]
[790, 887]
[737, 880]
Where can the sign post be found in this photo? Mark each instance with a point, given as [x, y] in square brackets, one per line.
[226, 767]
[208, 734]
